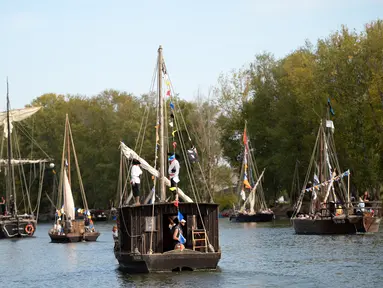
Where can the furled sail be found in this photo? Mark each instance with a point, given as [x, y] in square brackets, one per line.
[130, 154]
[23, 161]
[16, 116]
[68, 198]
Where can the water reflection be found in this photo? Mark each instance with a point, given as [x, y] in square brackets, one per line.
[260, 255]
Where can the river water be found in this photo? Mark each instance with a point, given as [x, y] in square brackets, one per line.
[253, 255]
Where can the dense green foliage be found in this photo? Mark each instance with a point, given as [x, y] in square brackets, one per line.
[282, 100]
[288, 99]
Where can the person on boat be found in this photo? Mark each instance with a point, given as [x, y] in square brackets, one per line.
[178, 238]
[366, 199]
[174, 171]
[69, 224]
[115, 233]
[135, 174]
[171, 224]
[91, 226]
[12, 205]
[2, 206]
[58, 226]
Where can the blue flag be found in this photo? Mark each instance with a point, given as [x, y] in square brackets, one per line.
[182, 239]
[329, 105]
[180, 216]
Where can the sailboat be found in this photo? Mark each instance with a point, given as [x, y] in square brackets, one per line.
[67, 228]
[330, 210]
[17, 217]
[255, 200]
[145, 243]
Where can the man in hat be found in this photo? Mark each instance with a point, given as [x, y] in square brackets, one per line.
[135, 174]
[174, 171]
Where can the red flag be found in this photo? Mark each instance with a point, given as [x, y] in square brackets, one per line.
[168, 93]
[176, 203]
[244, 137]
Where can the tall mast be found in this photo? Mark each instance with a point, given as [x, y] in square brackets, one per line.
[10, 174]
[162, 123]
[68, 147]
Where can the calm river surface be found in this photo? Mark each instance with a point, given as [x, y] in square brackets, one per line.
[253, 255]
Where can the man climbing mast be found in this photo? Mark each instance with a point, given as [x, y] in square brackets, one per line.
[174, 170]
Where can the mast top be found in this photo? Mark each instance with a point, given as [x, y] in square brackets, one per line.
[159, 48]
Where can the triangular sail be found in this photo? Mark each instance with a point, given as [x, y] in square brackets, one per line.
[68, 198]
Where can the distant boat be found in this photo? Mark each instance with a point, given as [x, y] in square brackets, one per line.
[67, 228]
[330, 210]
[250, 181]
[98, 215]
[145, 240]
[17, 217]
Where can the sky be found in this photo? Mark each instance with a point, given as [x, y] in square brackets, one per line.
[84, 47]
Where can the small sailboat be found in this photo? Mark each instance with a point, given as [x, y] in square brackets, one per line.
[17, 217]
[145, 241]
[251, 181]
[330, 210]
[67, 228]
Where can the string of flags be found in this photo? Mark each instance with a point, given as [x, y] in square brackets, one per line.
[336, 178]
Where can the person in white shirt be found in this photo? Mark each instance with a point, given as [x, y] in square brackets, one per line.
[174, 171]
[135, 174]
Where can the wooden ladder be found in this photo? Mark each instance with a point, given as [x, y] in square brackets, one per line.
[198, 236]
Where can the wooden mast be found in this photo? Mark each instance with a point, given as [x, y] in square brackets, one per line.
[68, 148]
[162, 123]
[10, 175]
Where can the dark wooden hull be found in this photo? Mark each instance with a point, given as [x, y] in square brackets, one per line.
[336, 225]
[16, 228]
[99, 219]
[258, 217]
[73, 237]
[176, 260]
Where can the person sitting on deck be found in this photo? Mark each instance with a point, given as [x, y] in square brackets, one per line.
[91, 226]
[174, 171]
[135, 174]
[178, 237]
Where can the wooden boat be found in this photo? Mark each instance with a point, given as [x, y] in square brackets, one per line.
[67, 227]
[145, 243]
[258, 212]
[331, 211]
[98, 215]
[16, 217]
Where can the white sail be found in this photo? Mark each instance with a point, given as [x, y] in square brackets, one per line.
[130, 154]
[251, 198]
[68, 198]
[16, 116]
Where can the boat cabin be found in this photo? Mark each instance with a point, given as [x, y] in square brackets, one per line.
[141, 232]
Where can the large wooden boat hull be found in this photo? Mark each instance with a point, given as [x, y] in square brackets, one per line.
[176, 260]
[258, 217]
[336, 225]
[16, 228]
[73, 237]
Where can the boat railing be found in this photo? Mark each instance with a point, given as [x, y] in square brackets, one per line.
[331, 209]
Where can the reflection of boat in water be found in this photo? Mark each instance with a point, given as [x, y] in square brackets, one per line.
[251, 182]
[17, 217]
[330, 210]
[67, 227]
[145, 240]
